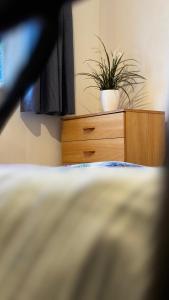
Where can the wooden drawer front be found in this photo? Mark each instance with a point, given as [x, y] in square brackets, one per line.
[98, 127]
[92, 151]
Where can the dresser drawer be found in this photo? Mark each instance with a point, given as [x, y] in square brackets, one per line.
[92, 151]
[98, 127]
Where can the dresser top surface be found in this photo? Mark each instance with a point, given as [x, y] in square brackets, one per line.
[72, 117]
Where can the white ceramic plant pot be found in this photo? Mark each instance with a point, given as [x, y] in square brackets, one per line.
[109, 99]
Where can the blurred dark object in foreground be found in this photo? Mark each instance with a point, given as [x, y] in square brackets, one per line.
[47, 12]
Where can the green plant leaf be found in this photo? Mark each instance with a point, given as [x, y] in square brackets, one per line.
[113, 72]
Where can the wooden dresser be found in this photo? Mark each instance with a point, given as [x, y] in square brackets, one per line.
[135, 136]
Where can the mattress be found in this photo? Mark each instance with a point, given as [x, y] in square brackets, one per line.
[78, 234]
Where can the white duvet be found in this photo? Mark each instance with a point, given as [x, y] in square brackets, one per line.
[81, 234]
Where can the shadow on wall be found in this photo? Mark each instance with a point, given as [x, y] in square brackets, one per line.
[35, 122]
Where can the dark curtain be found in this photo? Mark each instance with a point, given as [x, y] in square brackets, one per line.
[54, 91]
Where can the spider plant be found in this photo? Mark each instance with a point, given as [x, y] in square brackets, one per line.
[114, 72]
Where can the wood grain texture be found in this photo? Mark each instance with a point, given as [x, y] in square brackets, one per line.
[93, 150]
[135, 136]
[145, 135]
[97, 127]
[73, 117]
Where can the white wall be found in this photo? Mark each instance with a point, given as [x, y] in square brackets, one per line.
[33, 139]
[86, 23]
[141, 29]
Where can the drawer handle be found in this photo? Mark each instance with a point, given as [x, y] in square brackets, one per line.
[89, 153]
[88, 129]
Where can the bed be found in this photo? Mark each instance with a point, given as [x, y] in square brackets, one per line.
[103, 164]
[77, 233]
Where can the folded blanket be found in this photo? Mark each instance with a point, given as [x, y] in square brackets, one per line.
[77, 235]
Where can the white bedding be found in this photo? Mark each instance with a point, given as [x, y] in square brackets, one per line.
[81, 234]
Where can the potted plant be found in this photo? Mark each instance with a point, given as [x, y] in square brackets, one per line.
[113, 73]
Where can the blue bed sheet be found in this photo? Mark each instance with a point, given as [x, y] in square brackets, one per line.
[109, 164]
